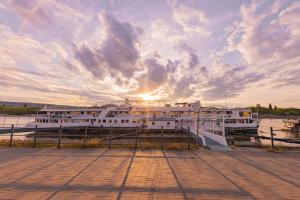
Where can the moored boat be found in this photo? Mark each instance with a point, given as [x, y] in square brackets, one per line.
[292, 125]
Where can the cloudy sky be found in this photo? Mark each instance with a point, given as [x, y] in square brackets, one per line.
[96, 51]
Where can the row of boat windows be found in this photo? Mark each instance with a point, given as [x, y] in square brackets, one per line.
[219, 121]
[86, 120]
[227, 121]
[242, 121]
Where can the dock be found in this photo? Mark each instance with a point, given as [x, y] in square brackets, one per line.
[73, 173]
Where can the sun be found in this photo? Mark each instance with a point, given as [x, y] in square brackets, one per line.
[148, 97]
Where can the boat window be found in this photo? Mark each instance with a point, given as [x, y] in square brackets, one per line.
[133, 121]
[122, 121]
[153, 123]
[99, 120]
[127, 121]
[109, 121]
[168, 123]
[115, 121]
[104, 121]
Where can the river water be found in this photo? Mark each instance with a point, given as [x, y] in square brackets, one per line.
[277, 124]
[264, 129]
[18, 121]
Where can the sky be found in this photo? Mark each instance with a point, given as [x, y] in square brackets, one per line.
[87, 52]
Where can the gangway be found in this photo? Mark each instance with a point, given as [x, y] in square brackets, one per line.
[209, 129]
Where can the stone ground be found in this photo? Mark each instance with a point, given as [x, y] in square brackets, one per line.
[48, 173]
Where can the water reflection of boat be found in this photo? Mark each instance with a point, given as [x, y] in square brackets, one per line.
[292, 125]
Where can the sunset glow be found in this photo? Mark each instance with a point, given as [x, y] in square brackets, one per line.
[148, 97]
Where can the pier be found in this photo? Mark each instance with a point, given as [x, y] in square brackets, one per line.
[51, 173]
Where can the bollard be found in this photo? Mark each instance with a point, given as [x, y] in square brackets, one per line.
[84, 137]
[11, 135]
[272, 141]
[59, 136]
[35, 136]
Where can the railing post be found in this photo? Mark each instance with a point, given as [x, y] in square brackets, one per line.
[84, 137]
[188, 135]
[161, 138]
[197, 125]
[109, 146]
[136, 137]
[272, 141]
[12, 130]
[59, 136]
[35, 136]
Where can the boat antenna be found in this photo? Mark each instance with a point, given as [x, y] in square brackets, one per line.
[225, 99]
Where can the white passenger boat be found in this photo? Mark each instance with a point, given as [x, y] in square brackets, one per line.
[147, 114]
[135, 113]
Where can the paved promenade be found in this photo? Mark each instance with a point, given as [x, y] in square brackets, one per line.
[47, 173]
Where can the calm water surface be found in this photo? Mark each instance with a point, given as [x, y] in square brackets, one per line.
[264, 128]
[277, 124]
[18, 121]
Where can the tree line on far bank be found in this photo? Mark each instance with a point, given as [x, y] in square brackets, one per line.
[18, 110]
[274, 110]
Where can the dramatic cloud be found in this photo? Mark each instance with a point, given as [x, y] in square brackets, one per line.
[118, 52]
[229, 81]
[191, 20]
[270, 37]
[289, 77]
[88, 52]
[194, 60]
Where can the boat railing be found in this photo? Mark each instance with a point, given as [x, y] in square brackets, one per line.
[62, 108]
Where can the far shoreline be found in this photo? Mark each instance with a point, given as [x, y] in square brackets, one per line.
[271, 116]
[25, 115]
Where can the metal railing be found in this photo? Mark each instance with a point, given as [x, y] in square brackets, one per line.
[272, 138]
[102, 137]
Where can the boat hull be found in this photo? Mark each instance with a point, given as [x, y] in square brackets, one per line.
[242, 136]
[245, 131]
